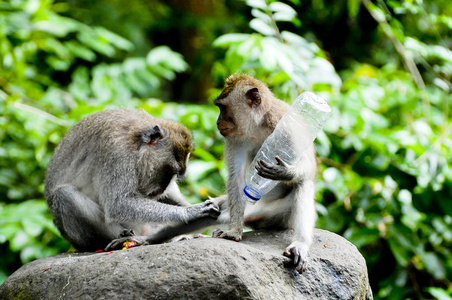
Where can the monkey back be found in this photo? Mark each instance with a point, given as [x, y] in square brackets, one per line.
[113, 143]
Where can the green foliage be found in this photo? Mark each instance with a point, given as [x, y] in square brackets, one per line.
[385, 177]
[279, 58]
[394, 162]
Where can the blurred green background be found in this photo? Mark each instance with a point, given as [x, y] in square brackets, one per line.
[385, 67]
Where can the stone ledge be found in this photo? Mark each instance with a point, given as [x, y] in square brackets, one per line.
[204, 268]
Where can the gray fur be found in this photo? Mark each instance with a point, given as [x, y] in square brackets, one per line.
[290, 205]
[115, 171]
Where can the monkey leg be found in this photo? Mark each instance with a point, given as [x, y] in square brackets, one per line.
[236, 207]
[302, 222]
[79, 219]
[274, 215]
[171, 231]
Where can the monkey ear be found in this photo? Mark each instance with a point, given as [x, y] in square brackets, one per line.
[253, 97]
[152, 135]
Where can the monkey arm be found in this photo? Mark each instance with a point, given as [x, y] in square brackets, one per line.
[173, 196]
[237, 161]
[144, 210]
[164, 234]
[169, 231]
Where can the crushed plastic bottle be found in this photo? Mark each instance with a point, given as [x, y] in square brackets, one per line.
[293, 134]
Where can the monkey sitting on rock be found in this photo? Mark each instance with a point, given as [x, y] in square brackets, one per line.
[114, 174]
[249, 113]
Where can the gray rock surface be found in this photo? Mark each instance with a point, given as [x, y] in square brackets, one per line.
[204, 268]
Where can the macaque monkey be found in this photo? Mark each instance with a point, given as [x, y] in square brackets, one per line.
[114, 175]
[249, 113]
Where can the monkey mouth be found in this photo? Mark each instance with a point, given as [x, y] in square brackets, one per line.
[224, 131]
[230, 132]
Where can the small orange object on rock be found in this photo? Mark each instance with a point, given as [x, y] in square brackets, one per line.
[128, 245]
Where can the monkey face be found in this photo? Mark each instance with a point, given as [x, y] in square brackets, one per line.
[239, 103]
[226, 124]
[162, 153]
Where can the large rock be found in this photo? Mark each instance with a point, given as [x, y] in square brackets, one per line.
[204, 268]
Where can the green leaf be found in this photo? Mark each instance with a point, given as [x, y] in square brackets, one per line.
[95, 42]
[353, 8]
[282, 11]
[257, 13]
[439, 293]
[262, 27]
[231, 38]
[19, 241]
[33, 225]
[199, 169]
[114, 39]
[80, 51]
[166, 60]
[8, 231]
[433, 264]
[401, 255]
[204, 155]
[257, 4]
[364, 237]
[58, 26]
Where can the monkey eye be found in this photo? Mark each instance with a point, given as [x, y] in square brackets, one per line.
[152, 135]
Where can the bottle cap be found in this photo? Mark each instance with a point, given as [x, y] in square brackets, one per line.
[252, 193]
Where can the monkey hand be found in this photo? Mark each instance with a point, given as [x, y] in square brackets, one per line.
[299, 253]
[117, 244]
[126, 232]
[279, 171]
[202, 210]
[229, 235]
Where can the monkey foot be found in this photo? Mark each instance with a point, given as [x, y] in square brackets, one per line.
[300, 257]
[229, 235]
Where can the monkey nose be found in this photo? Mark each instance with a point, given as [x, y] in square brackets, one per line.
[182, 171]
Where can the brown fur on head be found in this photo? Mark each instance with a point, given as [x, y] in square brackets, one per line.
[163, 148]
[133, 141]
[247, 107]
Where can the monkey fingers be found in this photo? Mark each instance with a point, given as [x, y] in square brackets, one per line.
[117, 244]
[209, 209]
[281, 162]
[278, 171]
[299, 257]
[126, 232]
[217, 232]
[229, 235]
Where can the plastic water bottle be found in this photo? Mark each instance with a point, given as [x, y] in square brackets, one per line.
[293, 134]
